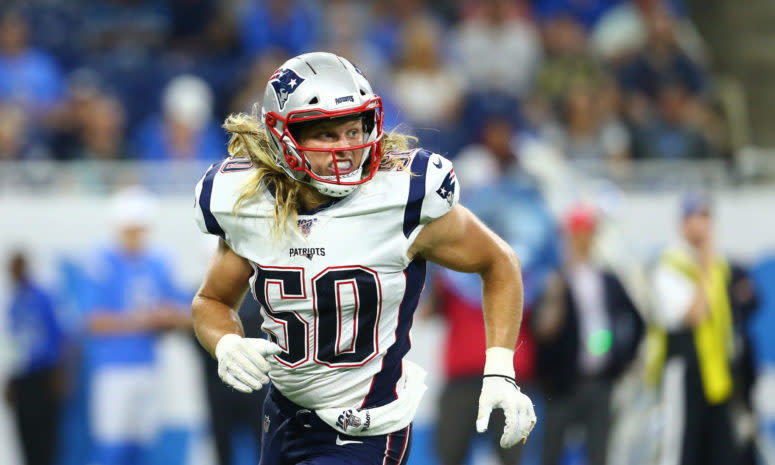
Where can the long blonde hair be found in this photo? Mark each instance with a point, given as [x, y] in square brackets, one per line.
[250, 139]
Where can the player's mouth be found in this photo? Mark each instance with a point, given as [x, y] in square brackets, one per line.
[344, 166]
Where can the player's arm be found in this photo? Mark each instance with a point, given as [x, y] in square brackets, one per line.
[459, 241]
[242, 362]
[215, 305]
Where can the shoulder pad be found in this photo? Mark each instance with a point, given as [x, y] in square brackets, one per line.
[217, 191]
[433, 189]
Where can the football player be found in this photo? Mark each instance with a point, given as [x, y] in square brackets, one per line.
[329, 222]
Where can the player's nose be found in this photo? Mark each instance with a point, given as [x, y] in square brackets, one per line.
[341, 143]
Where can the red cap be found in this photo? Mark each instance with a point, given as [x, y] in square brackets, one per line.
[580, 218]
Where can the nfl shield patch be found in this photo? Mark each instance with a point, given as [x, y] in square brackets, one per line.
[305, 225]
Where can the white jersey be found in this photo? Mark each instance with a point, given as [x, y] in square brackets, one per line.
[337, 290]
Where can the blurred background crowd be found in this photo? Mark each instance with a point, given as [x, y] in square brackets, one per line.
[576, 128]
[604, 81]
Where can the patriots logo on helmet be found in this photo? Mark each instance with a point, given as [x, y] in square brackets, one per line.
[285, 82]
[447, 189]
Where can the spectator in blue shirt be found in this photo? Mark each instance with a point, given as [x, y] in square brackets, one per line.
[134, 300]
[661, 61]
[508, 199]
[28, 76]
[186, 130]
[286, 25]
[588, 12]
[36, 389]
[670, 134]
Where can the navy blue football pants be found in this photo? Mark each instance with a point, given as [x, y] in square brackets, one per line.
[294, 435]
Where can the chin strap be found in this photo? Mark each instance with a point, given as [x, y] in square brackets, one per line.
[333, 189]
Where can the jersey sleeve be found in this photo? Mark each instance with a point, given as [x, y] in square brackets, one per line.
[198, 216]
[203, 196]
[433, 191]
[441, 188]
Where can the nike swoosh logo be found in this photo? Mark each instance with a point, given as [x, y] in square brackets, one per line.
[437, 165]
[340, 442]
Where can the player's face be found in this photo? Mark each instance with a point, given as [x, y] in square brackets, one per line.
[333, 135]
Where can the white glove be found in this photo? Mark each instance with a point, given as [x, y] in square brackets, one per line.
[499, 390]
[242, 361]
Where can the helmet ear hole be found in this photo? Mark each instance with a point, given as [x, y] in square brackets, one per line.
[363, 92]
[368, 121]
[313, 101]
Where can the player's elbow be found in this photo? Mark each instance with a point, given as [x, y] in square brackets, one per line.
[511, 257]
[199, 305]
[507, 258]
[504, 261]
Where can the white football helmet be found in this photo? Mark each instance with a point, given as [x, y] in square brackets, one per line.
[317, 86]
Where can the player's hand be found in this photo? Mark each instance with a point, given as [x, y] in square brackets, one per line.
[500, 390]
[242, 362]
